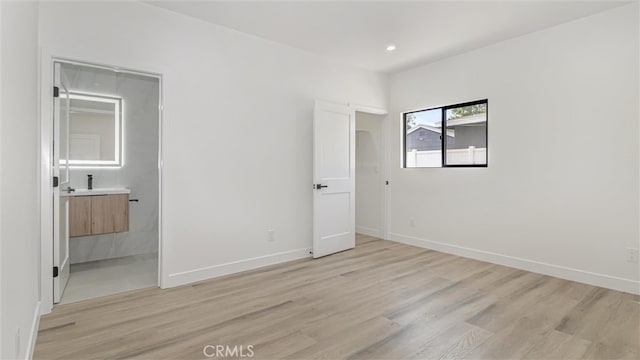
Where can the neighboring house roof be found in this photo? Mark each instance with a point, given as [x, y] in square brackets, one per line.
[438, 130]
[466, 120]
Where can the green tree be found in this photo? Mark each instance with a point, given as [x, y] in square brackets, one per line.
[467, 111]
[411, 121]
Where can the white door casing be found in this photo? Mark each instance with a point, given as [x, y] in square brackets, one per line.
[48, 57]
[334, 178]
[60, 169]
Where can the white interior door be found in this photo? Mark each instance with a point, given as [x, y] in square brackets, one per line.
[334, 178]
[60, 170]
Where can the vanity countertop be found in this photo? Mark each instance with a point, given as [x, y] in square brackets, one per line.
[97, 191]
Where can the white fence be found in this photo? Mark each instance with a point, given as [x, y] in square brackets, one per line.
[433, 158]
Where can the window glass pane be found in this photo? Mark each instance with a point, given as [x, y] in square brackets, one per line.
[423, 142]
[467, 127]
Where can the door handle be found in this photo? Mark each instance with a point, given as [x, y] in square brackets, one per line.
[320, 186]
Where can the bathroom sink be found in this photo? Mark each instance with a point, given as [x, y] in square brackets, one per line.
[96, 191]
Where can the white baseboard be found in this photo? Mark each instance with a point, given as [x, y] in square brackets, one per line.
[605, 281]
[210, 272]
[377, 233]
[33, 334]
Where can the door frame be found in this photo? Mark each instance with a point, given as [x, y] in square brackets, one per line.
[60, 212]
[383, 160]
[45, 188]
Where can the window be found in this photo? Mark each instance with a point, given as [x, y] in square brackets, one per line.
[463, 142]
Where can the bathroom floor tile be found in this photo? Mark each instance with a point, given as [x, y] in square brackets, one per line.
[105, 277]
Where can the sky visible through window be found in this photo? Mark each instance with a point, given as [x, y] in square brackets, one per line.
[429, 117]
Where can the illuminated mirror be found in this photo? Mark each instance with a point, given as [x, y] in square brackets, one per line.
[95, 130]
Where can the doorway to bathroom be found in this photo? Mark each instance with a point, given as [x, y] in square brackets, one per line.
[101, 187]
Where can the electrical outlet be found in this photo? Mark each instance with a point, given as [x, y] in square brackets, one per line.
[271, 235]
[632, 255]
[412, 222]
[18, 342]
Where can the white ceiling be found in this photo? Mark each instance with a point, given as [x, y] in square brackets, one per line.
[358, 32]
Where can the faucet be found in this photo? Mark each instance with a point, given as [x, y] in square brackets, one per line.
[90, 182]
[69, 189]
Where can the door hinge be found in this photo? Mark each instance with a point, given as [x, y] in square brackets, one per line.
[56, 181]
[55, 271]
[56, 92]
[386, 182]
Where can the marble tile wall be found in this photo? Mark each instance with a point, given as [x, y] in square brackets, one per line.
[140, 166]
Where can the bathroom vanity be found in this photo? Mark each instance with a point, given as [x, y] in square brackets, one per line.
[98, 211]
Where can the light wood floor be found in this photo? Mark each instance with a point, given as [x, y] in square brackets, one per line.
[383, 300]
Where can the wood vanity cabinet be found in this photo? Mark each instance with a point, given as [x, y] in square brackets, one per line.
[79, 216]
[98, 214]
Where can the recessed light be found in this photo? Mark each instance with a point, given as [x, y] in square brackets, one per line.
[391, 47]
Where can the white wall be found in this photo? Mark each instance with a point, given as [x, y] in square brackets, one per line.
[222, 91]
[560, 195]
[369, 174]
[1, 117]
[19, 214]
